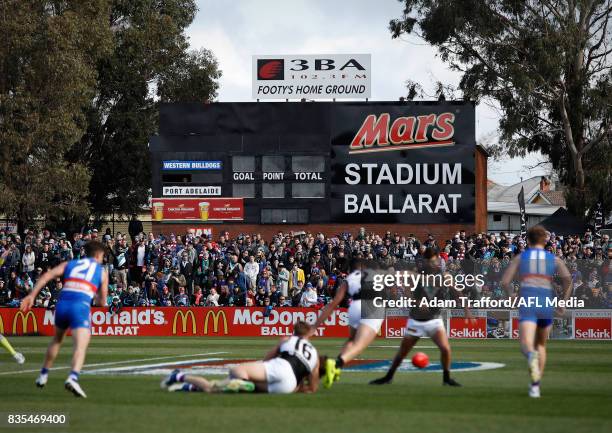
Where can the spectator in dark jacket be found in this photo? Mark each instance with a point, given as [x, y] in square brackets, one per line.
[135, 227]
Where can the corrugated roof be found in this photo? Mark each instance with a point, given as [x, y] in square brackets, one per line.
[513, 208]
[554, 197]
[510, 193]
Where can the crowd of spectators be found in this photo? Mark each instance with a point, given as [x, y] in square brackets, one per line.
[289, 269]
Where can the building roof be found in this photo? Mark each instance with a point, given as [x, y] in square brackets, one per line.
[513, 208]
[509, 194]
[553, 197]
[490, 185]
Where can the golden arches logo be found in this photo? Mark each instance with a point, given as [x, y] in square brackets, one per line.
[216, 317]
[24, 322]
[184, 316]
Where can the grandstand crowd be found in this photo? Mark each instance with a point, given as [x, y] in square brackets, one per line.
[288, 270]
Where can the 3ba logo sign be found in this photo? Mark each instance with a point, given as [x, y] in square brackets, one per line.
[212, 321]
[270, 69]
[24, 319]
[274, 69]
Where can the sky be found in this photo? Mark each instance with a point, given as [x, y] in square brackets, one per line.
[235, 30]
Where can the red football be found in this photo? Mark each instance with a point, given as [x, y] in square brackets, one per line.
[420, 360]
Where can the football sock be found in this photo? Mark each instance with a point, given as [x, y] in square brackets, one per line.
[446, 375]
[5, 343]
[74, 375]
[44, 371]
[339, 362]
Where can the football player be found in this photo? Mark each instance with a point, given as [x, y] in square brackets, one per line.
[535, 268]
[292, 366]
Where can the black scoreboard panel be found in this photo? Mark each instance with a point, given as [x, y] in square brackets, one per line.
[324, 162]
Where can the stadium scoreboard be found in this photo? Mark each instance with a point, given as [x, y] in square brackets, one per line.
[315, 163]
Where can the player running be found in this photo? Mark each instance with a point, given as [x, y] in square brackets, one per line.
[84, 279]
[535, 268]
[19, 358]
[425, 322]
[362, 330]
[292, 366]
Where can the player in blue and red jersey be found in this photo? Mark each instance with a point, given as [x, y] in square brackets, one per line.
[84, 280]
[536, 268]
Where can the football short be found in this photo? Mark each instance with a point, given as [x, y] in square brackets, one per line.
[72, 314]
[543, 314]
[280, 376]
[425, 328]
[355, 319]
[540, 318]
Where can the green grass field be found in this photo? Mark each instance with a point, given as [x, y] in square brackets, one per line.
[576, 392]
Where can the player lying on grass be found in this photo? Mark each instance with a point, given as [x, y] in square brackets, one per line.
[535, 268]
[425, 321]
[16, 355]
[84, 279]
[292, 366]
[362, 331]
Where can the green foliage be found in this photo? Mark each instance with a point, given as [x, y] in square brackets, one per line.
[47, 77]
[148, 63]
[80, 82]
[547, 65]
[191, 78]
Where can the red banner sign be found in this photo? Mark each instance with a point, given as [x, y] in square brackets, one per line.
[173, 321]
[395, 326]
[514, 318]
[250, 322]
[461, 327]
[197, 209]
[593, 325]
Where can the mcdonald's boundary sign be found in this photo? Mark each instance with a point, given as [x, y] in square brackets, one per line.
[172, 321]
[24, 319]
[248, 322]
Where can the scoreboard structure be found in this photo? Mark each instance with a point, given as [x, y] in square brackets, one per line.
[410, 167]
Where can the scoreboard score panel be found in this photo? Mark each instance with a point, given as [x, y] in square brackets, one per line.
[342, 162]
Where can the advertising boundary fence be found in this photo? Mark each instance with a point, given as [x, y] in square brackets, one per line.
[251, 322]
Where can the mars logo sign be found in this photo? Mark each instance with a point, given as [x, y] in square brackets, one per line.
[379, 133]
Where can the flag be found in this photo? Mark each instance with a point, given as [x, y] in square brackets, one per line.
[521, 201]
[599, 219]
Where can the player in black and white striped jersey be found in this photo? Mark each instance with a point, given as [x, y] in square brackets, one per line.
[293, 365]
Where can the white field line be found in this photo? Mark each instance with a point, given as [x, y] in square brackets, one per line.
[146, 366]
[102, 364]
[395, 346]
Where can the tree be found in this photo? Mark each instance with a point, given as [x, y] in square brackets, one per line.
[48, 60]
[547, 65]
[149, 63]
